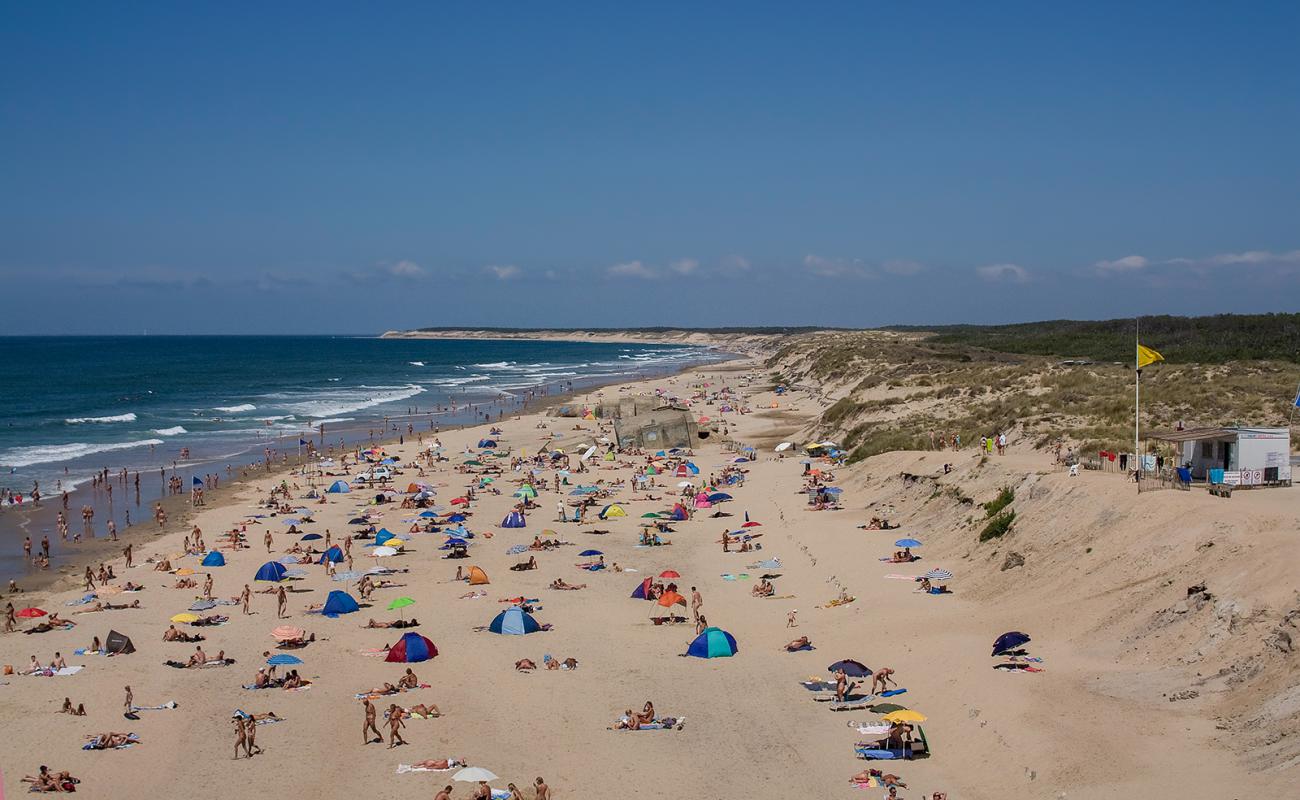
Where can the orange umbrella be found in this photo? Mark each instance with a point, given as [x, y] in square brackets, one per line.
[670, 573]
[670, 599]
[285, 633]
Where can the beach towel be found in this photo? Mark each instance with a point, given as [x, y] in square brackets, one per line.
[892, 692]
[81, 601]
[402, 769]
[82, 651]
[170, 704]
[875, 755]
[852, 705]
[871, 730]
[58, 673]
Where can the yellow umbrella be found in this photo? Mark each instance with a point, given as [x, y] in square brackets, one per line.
[184, 571]
[398, 543]
[185, 617]
[904, 715]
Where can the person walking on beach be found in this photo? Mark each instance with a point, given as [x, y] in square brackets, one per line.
[281, 602]
[697, 603]
[267, 539]
[241, 737]
[543, 791]
[207, 587]
[129, 702]
[244, 597]
[369, 725]
[395, 725]
[250, 743]
[127, 553]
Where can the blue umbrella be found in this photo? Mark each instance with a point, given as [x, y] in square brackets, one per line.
[427, 514]
[311, 537]
[852, 668]
[283, 659]
[907, 543]
[591, 553]
[1009, 641]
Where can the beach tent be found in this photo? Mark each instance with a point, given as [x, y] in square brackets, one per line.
[486, 443]
[118, 643]
[1009, 641]
[477, 577]
[513, 520]
[214, 559]
[679, 513]
[713, 643]
[272, 571]
[411, 648]
[642, 590]
[339, 487]
[383, 536]
[612, 510]
[339, 602]
[334, 554]
[514, 622]
[702, 501]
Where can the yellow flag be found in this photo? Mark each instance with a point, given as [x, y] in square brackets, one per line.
[1146, 356]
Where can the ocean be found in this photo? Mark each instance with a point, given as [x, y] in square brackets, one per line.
[190, 405]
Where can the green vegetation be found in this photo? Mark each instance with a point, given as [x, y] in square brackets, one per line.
[998, 526]
[1204, 340]
[1000, 502]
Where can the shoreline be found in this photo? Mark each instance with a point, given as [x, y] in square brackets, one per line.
[67, 567]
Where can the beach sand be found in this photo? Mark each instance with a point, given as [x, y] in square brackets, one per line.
[1085, 727]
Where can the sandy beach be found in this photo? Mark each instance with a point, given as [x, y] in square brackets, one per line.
[1094, 722]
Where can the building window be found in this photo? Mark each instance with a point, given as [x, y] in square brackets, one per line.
[1207, 449]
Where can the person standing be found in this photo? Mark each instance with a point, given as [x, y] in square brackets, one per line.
[244, 597]
[369, 724]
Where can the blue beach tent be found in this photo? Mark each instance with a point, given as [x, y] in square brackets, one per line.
[339, 602]
[214, 559]
[514, 622]
[272, 571]
[339, 487]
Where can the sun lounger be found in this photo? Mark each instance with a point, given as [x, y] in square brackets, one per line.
[858, 704]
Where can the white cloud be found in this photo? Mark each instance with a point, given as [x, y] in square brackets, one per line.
[1125, 264]
[1255, 257]
[902, 267]
[1013, 273]
[684, 266]
[631, 269]
[824, 267]
[735, 263]
[503, 272]
[404, 269]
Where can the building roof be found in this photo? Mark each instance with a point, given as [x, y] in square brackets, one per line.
[1210, 434]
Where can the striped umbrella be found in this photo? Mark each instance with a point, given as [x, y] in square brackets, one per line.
[938, 574]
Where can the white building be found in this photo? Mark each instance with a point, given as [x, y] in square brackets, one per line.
[1246, 456]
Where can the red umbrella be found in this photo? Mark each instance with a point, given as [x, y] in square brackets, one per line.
[670, 573]
[30, 612]
[752, 525]
[460, 501]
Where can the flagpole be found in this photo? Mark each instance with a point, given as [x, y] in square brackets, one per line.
[1137, 399]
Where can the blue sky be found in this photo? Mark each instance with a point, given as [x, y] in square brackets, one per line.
[339, 167]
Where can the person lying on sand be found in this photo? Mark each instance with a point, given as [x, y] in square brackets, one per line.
[423, 710]
[440, 764]
[888, 780]
[47, 781]
[525, 665]
[211, 619]
[388, 689]
[798, 644]
[185, 583]
[397, 623]
[560, 583]
[107, 741]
